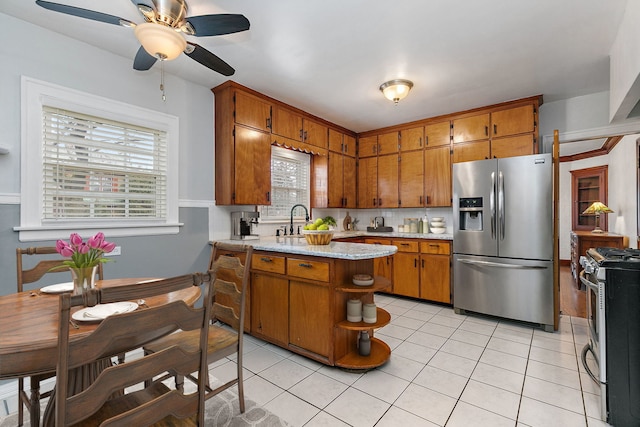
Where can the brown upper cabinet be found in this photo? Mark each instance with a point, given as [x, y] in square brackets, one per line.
[412, 139]
[437, 134]
[294, 126]
[506, 131]
[388, 143]
[342, 171]
[368, 146]
[252, 111]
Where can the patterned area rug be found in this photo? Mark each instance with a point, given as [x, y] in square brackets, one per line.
[221, 410]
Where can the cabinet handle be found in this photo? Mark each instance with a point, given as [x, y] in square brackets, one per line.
[375, 148]
[426, 200]
[268, 196]
[302, 264]
[264, 259]
[374, 201]
[346, 148]
[486, 130]
[426, 141]
[415, 263]
[420, 199]
[301, 135]
[404, 244]
[379, 202]
[422, 263]
[305, 136]
[268, 123]
[495, 129]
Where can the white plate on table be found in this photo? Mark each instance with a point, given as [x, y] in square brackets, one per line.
[58, 288]
[102, 311]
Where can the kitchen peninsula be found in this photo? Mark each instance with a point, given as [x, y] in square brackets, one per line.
[298, 298]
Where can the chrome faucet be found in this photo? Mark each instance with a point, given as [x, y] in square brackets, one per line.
[306, 214]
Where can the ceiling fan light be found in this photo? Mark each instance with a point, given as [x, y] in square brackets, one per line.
[395, 90]
[160, 41]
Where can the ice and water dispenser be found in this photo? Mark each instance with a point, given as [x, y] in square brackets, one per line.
[470, 209]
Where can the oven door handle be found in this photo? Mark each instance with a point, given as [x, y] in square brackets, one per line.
[589, 284]
[587, 349]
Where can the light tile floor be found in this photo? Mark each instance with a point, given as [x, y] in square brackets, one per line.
[445, 370]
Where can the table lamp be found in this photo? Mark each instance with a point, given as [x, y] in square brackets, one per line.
[596, 209]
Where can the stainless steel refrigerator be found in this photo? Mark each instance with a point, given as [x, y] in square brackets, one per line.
[503, 238]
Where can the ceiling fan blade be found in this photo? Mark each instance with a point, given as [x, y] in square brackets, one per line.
[84, 13]
[208, 59]
[143, 61]
[217, 25]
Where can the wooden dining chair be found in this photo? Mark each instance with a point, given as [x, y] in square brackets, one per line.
[30, 270]
[155, 404]
[230, 277]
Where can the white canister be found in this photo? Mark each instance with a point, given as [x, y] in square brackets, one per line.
[369, 313]
[354, 310]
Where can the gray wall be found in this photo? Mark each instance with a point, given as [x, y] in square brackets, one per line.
[57, 59]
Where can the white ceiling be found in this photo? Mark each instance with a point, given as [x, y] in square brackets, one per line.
[329, 57]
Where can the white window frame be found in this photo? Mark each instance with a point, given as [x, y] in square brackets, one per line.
[36, 94]
[283, 152]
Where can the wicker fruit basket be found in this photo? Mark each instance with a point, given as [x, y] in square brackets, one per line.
[318, 237]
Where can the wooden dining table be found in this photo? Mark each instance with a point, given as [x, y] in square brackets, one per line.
[29, 327]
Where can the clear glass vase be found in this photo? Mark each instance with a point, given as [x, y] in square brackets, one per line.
[84, 278]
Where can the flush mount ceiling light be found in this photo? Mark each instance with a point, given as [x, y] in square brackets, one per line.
[160, 41]
[395, 90]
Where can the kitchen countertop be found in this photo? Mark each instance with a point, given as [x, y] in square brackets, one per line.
[392, 234]
[298, 245]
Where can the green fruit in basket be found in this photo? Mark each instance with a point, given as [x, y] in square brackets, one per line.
[311, 227]
[306, 227]
[318, 222]
[323, 227]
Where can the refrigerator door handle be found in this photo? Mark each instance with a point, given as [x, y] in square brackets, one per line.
[501, 265]
[501, 212]
[492, 205]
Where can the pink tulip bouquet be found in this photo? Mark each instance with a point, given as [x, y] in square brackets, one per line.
[84, 254]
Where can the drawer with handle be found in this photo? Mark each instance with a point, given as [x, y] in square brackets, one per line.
[269, 263]
[437, 248]
[312, 270]
[406, 245]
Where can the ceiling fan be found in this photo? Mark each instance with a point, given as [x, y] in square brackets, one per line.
[162, 35]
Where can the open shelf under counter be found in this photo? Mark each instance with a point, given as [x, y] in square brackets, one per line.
[380, 353]
[379, 283]
[382, 318]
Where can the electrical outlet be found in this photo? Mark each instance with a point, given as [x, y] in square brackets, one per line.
[115, 252]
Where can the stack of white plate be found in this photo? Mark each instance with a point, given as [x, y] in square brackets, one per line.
[438, 225]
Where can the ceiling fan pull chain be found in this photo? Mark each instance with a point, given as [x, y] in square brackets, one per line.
[164, 98]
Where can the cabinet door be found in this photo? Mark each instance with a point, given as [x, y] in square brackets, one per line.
[270, 307]
[472, 128]
[411, 180]
[336, 142]
[387, 143]
[435, 283]
[437, 134]
[349, 186]
[310, 319]
[368, 182]
[349, 148]
[382, 267]
[513, 121]
[406, 275]
[512, 146]
[252, 111]
[252, 167]
[469, 151]
[368, 146]
[287, 123]
[335, 181]
[411, 139]
[388, 181]
[315, 133]
[437, 176]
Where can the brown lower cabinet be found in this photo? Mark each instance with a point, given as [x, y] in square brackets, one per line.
[420, 269]
[299, 303]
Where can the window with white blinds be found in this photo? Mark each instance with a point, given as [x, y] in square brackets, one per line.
[90, 163]
[98, 168]
[290, 183]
